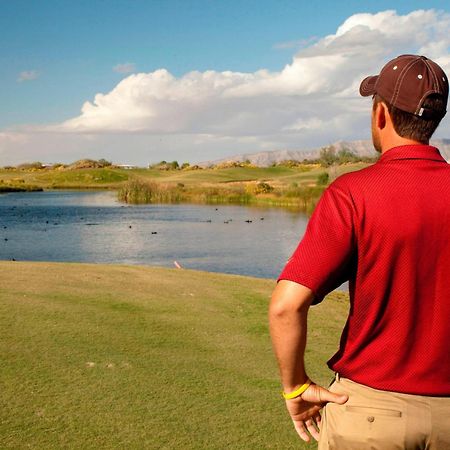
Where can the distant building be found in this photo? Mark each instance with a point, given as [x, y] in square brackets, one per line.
[126, 166]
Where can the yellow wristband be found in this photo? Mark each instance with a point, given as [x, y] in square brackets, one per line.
[297, 392]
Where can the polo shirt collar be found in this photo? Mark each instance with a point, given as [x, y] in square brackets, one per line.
[418, 151]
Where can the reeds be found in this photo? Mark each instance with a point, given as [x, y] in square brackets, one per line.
[138, 191]
[300, 198]
[4, 188]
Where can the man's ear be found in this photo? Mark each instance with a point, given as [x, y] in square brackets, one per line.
[381, 113]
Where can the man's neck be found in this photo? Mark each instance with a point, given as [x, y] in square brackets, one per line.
[386, 146]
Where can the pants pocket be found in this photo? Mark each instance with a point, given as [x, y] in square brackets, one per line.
[364, 427]
[373, 411]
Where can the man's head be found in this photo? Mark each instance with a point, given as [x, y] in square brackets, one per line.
[410, 99]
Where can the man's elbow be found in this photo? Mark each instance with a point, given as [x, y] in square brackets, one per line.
[290, 298]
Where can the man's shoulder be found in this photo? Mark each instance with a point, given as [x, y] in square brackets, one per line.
[351, 180]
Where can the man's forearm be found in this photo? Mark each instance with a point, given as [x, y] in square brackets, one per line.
[288, 314]
[288, 329]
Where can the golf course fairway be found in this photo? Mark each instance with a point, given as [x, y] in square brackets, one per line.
[98, 356]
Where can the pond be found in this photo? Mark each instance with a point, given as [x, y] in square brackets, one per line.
[93, 226]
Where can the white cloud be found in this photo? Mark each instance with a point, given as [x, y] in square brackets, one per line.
[125, 68]
[10, 140]
[27, 75]
[312, 101]
[312, 123]
[294, 44]
[321, 81]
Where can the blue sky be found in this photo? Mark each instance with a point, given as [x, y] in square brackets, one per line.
[64, 52]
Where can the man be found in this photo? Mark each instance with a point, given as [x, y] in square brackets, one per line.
[386, 229]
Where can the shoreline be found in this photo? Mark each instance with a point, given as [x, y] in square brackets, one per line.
[149, 266]
[296, 188]
[293, 204]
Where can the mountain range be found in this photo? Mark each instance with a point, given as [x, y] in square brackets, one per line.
[360, 148]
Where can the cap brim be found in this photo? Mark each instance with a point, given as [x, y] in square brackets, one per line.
[368, 86]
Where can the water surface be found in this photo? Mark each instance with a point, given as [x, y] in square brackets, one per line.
[92, 226]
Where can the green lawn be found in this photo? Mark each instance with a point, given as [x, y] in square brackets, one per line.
[278, 176]
[54, 179]
[114, 178]
[115, 356]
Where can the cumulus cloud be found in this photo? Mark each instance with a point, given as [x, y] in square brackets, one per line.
[27, 75]
[125, 68]
[313, 100]
[294, 44]
[319, 83]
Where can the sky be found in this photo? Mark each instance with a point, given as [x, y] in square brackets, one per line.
[137, 82]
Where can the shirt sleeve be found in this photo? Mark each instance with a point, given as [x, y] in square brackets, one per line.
[324, 257]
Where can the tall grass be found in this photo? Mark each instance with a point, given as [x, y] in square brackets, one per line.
[138, 191]
[141, 191]
[23, 188]
[220, 195]
[304, 198]
[301, 198]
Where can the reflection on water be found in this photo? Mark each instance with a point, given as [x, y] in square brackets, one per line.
[92, 226]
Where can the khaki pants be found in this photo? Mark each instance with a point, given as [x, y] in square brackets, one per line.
[383, 420]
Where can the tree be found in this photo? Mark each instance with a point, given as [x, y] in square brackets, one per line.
[104, 163]
[345, 156]
[328, 156]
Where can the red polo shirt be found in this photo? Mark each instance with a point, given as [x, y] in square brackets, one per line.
[386, 229]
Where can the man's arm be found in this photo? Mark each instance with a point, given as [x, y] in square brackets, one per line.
[288, 315]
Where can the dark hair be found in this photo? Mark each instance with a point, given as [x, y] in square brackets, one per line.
[414, 127]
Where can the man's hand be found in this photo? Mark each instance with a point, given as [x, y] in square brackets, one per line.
[288, 328]
[304, 410]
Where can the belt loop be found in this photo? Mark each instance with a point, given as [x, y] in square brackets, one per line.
[338, 377]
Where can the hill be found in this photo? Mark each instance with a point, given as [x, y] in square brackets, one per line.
[115, 356]
[360, 148]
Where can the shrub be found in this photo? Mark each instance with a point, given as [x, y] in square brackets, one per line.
[263, 188]
[194, 167]
[164, 165]
[58, 166]
[31, 166]
[323, 178]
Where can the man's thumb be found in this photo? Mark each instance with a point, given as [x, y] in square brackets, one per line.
[328, 396]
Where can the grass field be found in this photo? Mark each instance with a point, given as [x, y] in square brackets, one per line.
[114, 178]
[54, 179]
[116, 356]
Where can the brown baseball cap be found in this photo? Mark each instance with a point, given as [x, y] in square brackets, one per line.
[406, 81]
